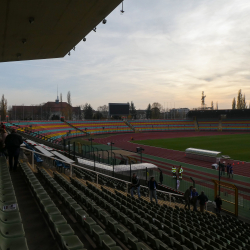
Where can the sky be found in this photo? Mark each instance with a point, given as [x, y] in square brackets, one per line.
[158, 51]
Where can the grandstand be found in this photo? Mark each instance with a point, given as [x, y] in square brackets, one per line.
[208, 124]
[54, 130]
[52, 203]
[235, 124]
[162, 125]
[85, 209]
[101, 127]
[57, 130]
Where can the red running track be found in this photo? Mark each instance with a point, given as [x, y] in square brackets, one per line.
[123, 141]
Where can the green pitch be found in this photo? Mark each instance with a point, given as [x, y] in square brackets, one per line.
[237, 146]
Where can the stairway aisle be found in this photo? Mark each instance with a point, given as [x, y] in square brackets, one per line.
[72, 126]
[36, 230]
[129, 125]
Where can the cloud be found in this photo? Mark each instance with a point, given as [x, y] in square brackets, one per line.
[158, 51]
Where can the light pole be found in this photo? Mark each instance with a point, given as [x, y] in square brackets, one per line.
[91, 139]
[110, 144]
[139, 150]
[219, 177]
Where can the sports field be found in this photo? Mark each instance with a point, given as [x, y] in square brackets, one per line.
[237, 146]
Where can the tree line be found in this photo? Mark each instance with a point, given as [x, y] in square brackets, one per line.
[241, 101]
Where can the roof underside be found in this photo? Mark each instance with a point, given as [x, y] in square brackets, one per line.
[58, 26]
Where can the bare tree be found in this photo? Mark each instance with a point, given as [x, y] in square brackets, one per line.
[61, 97]
[156, 110]
[234, 104]
[104, 110]
[239, 100]
[69, 98]
[3, 107]
[243, 102]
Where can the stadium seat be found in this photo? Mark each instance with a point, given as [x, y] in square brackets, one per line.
[105, 241]
[137, 245]
[56, 220]
[71, 243]
[88, 224]
[10, 218]
[13, 243]
[12, 230]
[64, 230]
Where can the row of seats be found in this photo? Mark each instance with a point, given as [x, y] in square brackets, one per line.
[48, 129]
[134, 215]
[102, 239]
[63, 231]
[102, 180]
[120, 185]
[162, 125]
[12, 235]
[112, 217]
[204, 229]
[100, 127]
[236, 124]
[208, 124]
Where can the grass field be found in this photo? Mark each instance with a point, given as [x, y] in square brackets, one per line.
[236, 146]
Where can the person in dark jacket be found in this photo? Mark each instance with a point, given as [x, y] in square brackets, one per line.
[135, 185]
[218, 203]
[228, 169]
[194, 199]
[161, 177]
[3, 126]
[222, 168]
[231, 173]
[12, 143]
[203, 199]
[152, 185]
[1, 147]
[188, 197]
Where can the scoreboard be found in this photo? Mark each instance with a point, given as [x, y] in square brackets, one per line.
[119, 109]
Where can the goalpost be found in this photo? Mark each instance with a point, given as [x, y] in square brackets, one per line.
[229, 195]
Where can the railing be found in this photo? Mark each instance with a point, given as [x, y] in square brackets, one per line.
[169, 183]
[49, 161]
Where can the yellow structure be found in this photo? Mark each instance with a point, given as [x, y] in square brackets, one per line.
[230, 186]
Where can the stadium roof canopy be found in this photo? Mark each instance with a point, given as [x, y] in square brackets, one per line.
[203, 152]
[42, 29]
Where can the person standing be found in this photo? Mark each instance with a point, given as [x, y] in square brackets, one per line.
[152, 185]
[174, 172]
[135, 185]
[4, 135]
[222, 169]
[3, 126]
[180, 171]
[188, 196]
[203, 199]
[161, 177]
[12, 143]
[231, 171]
[218, 203]
[194, 199]
[1, 147]
[228, 170]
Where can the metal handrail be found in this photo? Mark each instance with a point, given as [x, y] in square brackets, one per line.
[74, 165]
